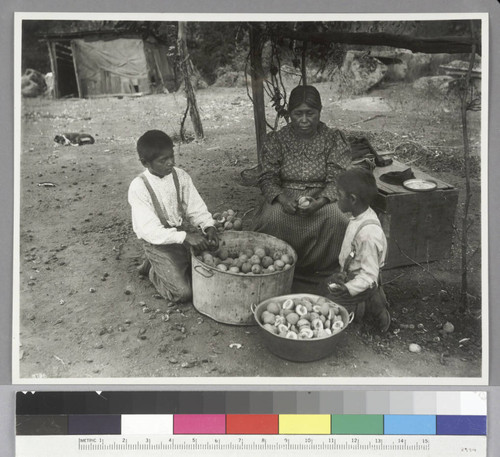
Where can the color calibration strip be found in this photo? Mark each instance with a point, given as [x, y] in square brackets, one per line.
[251, 424]
[272, 424]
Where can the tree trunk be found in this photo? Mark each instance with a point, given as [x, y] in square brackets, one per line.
[257, 77]
[186, 69]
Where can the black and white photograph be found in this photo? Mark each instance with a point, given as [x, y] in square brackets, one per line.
[251, 198]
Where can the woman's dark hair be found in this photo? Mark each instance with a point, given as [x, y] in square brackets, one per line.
[152, 144]
[360, 182]
[304, 94]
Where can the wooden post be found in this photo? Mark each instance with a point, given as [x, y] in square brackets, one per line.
[185, 65]
[53, 67]
[257, 77]
[303, 63]
[75, 65]
[464, 299]
[156, 58]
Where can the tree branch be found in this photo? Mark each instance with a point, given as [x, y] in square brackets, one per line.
[434, 45]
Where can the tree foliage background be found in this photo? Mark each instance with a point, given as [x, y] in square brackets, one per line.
[224, 46]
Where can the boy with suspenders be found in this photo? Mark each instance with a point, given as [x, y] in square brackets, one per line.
[161, 199]
[363, 250]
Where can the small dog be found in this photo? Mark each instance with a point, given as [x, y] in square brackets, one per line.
[74, 139]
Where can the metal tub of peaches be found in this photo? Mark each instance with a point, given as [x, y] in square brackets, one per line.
[247, 268]
[302, 327]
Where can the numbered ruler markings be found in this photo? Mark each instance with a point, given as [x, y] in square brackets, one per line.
[250, 445]
[260, 444]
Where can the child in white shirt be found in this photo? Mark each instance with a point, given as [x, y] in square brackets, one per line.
[161, 198]
[363, 250]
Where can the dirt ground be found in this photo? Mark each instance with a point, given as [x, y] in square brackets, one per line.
[84, 310]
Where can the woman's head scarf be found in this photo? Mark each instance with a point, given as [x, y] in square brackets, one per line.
[304, 94]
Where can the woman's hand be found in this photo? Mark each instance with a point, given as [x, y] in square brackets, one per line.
[314, 205]
[288, 204]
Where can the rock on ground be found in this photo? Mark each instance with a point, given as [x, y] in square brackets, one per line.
[364, 104]
[439, 83]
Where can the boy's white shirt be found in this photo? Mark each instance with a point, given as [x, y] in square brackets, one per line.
[371, 248]
[145, 222]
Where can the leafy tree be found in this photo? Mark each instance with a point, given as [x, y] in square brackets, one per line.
[216, 45]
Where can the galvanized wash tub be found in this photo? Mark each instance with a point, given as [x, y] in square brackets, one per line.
[227, 297]
[301, 350]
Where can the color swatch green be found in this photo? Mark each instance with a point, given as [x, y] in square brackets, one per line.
[357, 424]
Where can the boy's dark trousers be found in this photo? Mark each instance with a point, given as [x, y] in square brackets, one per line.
[170, 270]
[370, 305]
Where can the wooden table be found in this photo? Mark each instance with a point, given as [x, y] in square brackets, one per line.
[419, 226]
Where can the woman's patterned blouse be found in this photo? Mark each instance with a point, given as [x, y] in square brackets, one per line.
[289, 161]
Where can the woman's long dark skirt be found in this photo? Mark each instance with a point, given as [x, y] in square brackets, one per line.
[317, 239]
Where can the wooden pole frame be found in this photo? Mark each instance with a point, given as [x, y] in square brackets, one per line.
[257, 79]
[303, 67]
[75, 66]
[464, 106]
[185, 66]
[53, 67]
[434, 45]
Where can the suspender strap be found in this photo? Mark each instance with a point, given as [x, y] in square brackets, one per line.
[177, 190]
[353, 249]
[364, 224]
[154, 198]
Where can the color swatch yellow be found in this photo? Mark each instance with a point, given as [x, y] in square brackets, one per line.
[304, 424]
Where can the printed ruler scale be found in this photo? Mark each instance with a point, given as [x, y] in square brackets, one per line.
[297, 443]
[349, 446]
[206, 424]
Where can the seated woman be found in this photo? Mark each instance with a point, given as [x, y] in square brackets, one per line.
[303, 159]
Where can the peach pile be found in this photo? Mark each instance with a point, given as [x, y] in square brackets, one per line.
[260, 260]
[301, 319]
[227, 220]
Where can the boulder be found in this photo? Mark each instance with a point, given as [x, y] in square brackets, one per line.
[33, 83]
[396, 72]
[418, 65]
[425, 64]
[363, 71]
[459, 69]
[434, 83]
[396, 62]
[462, 66]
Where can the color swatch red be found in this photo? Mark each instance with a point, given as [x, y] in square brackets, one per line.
[252, 424]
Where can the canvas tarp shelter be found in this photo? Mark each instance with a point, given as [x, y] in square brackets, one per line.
[115, 66]
[90, 65]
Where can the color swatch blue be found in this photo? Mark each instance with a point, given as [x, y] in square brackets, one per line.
[403, 424]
